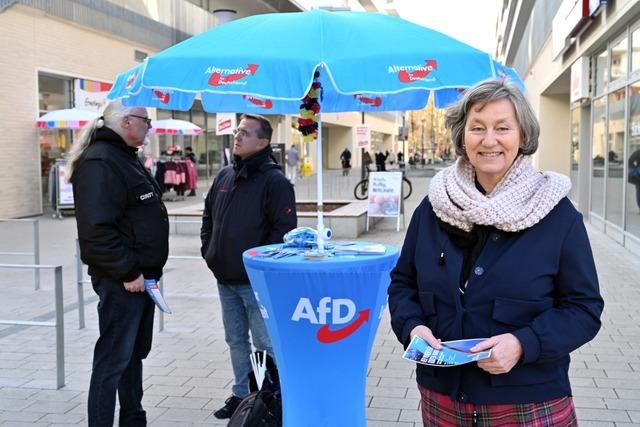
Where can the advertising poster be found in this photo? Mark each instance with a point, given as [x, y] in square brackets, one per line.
[90, 95]
[65, 189]
[363, 136]
[384, 194]
[225, 123]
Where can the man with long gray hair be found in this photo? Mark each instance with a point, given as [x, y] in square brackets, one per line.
[123, 231]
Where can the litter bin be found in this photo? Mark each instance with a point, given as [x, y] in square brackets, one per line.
[322, 317]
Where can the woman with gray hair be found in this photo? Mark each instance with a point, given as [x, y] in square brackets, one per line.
[496, 251]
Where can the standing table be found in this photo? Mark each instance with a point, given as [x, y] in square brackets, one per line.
[322, 317]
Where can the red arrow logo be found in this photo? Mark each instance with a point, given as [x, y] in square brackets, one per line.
[217, 79]
[262, 103]
[410, 77]
[163, 97]
[327, 336]
[130, 80]
[374, 102]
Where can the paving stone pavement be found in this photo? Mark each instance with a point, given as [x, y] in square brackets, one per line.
[188, 374]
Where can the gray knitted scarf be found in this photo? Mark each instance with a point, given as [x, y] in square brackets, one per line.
[520, 200]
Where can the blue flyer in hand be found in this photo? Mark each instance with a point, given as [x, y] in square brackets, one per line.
[153, 290]
[452, 353]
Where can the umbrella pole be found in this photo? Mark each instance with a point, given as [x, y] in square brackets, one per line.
[319, 186]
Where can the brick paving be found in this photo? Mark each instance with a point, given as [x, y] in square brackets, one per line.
[188, 374]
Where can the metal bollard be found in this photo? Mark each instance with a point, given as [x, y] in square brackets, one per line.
[79, 287]
[36, 252]
[59, 328]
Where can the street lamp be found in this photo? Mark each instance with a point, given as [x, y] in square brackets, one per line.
[422, 143]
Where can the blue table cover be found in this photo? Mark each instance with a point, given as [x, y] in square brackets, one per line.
[322, 317]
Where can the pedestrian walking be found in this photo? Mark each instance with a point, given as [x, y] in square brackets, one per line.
[345, 160]
[123, 230]
[634, 173]
[292, 159]
[250, 204]
[497, 251]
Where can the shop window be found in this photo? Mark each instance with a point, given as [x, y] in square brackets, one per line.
[619, 59]
[633, 161]
[615, 157]
[602, 72]
[54, 93]
[635, 50]
[598, 156]
[575, 153]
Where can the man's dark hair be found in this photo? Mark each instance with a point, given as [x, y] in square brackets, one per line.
[265, 131]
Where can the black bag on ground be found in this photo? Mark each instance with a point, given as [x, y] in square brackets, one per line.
[261, 408]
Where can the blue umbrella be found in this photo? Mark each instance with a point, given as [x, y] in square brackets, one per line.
[272, 57]
[266, 64]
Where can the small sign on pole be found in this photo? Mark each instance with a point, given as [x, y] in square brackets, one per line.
[363, 136]
[385, 196]
[225, 123]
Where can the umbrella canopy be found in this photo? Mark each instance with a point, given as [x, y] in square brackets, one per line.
[268, 64]
[174, 127]
[265, 63]
[71, 118]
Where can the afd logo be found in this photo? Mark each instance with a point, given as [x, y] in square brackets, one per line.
[334, 312]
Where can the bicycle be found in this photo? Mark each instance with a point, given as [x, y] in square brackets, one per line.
[361, 191]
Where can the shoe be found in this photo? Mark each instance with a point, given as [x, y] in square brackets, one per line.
[228, 409]
[191, 193]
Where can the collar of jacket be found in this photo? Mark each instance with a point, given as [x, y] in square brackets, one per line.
[108, 135]
[248, 166]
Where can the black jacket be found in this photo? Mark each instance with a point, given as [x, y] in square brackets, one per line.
[250, 204]
[123, 226]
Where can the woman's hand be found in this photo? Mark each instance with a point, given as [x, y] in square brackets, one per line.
[506, 352]
[425, 333]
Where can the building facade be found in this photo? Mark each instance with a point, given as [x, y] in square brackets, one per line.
[580, 60]
[65, 54]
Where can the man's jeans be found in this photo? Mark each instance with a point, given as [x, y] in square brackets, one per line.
[240, 313]
[126, 330]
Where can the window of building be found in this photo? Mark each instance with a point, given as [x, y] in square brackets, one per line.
[598, 153]
[575, 152]
[602, 72]
[632, 223]
[619, 59]
[615, 156]
[54, 93]
[635, 50]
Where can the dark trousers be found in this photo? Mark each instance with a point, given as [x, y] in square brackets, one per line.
[126, 329]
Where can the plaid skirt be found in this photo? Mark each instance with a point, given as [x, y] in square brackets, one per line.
[441, 411]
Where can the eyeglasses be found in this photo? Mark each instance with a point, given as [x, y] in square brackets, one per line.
[241, 133]
[147, 120]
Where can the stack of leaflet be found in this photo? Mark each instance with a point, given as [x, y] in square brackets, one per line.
[452, 353]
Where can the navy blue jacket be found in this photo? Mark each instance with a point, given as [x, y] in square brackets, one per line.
[249, 204]
[539, 284]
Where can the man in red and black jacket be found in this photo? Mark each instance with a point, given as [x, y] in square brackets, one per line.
[251, 203]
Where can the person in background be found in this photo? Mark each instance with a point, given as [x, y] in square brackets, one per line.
[367, 161]
[250, 204]
[123, 231]
[345, 160]
[190, 155]
[497, 251]
[634, 173]
[292, 160]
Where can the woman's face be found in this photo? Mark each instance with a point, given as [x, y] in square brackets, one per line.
[492, 140]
